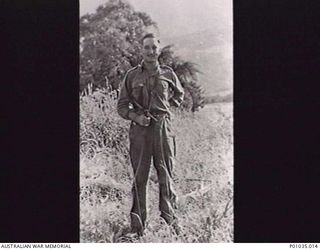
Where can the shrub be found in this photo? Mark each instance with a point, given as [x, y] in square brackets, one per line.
[202, 175]
[101, 128]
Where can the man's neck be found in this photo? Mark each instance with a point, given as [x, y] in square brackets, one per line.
[151, 66]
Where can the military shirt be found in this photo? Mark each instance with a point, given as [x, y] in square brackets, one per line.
[154, 92]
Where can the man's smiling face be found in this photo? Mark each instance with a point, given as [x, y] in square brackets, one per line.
[150, 50]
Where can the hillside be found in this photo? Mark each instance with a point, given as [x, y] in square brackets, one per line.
[212, 51]
[203, 176]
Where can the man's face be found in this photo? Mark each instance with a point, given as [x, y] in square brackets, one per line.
[150, 50]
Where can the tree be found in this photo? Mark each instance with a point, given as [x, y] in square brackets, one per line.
[110, 45]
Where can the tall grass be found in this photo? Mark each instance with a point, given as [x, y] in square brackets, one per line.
[202, 175]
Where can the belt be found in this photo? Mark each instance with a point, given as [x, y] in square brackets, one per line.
[159, 115]
[154, 114]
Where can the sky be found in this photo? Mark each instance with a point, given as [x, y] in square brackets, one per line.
[177, 17]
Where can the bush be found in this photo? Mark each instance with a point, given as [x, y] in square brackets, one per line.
[202, 175]
[101, 128]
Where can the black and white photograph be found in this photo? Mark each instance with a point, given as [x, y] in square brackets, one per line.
[156, 101]
[173, 121]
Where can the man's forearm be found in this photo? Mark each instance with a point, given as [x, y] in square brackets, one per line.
[177, 99]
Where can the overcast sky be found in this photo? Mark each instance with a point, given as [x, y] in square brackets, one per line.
[177, 17]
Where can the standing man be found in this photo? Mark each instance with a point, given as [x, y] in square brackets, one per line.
[146, 94]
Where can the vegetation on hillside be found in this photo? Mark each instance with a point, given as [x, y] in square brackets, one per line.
[219, 98]
[110, 44]
[202, 175]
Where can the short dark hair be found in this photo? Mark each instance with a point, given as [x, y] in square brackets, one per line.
[150, 35]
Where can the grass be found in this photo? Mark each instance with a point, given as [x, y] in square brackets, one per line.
[202, 175]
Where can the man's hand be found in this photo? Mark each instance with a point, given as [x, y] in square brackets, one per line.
[143, 120]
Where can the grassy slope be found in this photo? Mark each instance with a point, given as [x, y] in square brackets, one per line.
[204, 152]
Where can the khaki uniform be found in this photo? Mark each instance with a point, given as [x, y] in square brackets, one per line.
[153, 94]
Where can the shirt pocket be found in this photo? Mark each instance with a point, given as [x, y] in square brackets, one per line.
[137, 91]
[162, 88]
[166, 86]
[163, 85]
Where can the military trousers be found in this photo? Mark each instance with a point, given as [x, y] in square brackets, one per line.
[152, 143]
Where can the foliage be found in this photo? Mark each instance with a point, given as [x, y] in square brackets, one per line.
[202, 175]
[101, 127]
[110, 45]
[187, 74]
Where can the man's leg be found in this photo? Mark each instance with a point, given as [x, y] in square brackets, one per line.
[163, 161]
[140, 155]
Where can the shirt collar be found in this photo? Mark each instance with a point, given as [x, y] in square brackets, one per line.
[143, 69]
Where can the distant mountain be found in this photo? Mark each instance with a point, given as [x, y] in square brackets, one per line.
[211, 50]
[202, 39]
